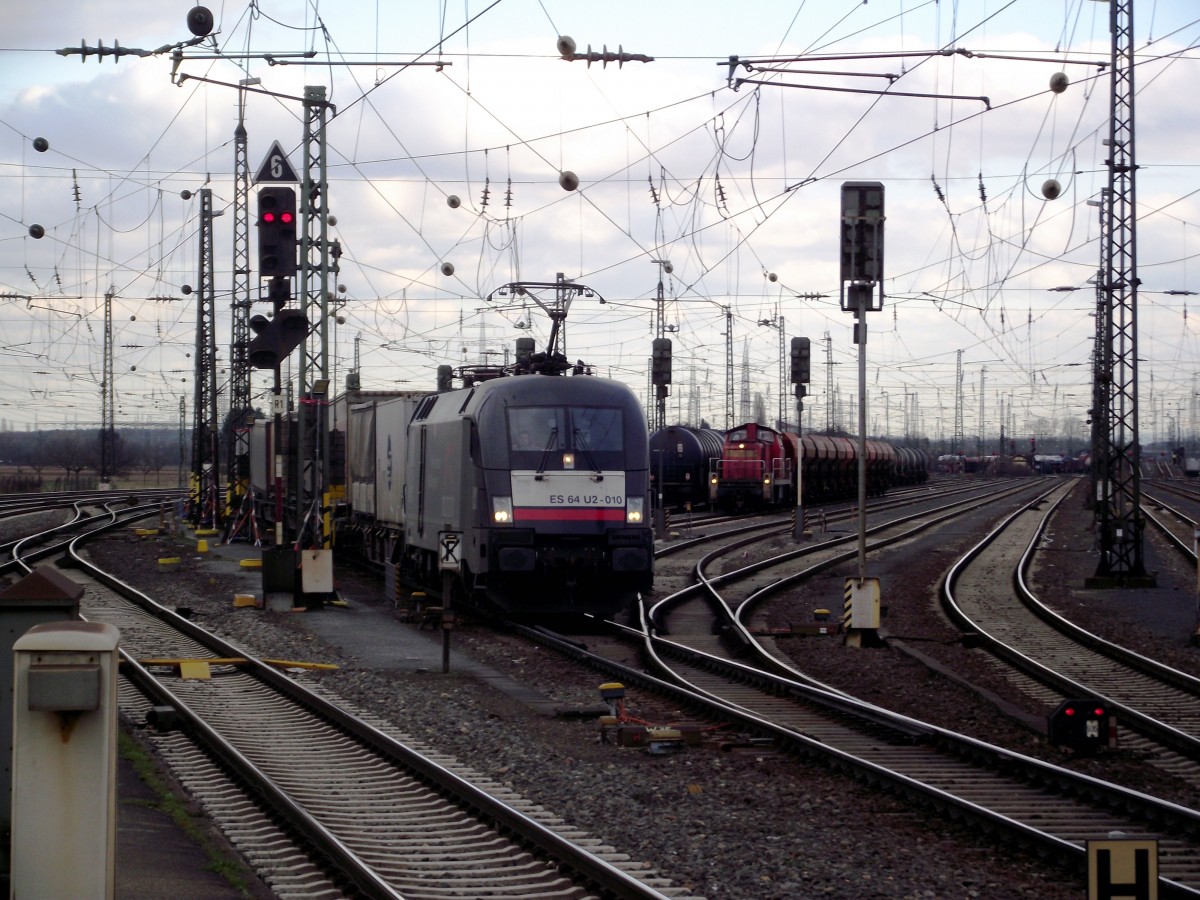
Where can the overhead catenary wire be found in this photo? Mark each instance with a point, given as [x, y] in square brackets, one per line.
[689, 198]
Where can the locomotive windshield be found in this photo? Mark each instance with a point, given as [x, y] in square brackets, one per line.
[587, 429]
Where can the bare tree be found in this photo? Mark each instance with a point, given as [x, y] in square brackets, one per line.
[150, 452]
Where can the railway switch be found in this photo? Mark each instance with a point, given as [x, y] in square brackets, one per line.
[613, 693]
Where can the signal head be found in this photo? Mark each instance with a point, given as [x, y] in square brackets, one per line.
[276, 232]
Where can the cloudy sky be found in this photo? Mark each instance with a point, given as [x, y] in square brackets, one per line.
[736, 183]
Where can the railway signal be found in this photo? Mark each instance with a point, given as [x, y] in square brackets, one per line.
[275, 338]
[276, 232]
[861, 246]
[1082, 725]
[801, 360]
[660, 361]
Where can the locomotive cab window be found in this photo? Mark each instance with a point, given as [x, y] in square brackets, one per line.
[536, 429]
[594, 432]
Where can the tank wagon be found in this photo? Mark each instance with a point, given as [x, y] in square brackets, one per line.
[682, 456]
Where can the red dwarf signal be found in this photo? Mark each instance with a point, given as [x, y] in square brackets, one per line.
[1083, 726]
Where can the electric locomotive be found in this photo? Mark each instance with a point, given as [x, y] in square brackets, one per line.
[533, 490]
[527, 489]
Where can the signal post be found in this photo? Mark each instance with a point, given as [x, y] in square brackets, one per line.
[861, 273]
[801, 358]
[274, 340]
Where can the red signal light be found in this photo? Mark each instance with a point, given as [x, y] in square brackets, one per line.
[277, 232]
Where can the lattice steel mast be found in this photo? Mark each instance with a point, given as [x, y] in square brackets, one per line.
[312, 486]
[1119, 489]
[981, 444]
[108, 434]
[660, 352]
[728, 368]
[959, 436]
[783, 375]
[828, 383]
[1100, 370]
[240, 410]
[744, 410]
[205, 435]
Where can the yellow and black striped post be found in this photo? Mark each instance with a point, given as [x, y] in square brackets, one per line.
[860, 609]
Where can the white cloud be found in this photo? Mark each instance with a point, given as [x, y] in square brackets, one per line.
[728, 169]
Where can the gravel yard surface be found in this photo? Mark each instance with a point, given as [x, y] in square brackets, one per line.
[747, 823]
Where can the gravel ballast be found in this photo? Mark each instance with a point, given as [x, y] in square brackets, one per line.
[747, 823]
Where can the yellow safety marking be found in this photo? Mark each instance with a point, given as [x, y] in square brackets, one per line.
[197, 669]
[251, 564]
[288, 664]
[237, 661]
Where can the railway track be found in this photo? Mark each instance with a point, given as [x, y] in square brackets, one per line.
[1174, 523]
[327, 803]
[1152, 699]
[830, 515]
[1031, 801]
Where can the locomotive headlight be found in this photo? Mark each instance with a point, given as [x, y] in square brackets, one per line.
[767, 480]
[633, 510]
[568, 460]
[502, 510]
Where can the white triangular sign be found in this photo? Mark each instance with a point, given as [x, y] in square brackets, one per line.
[276, 167]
